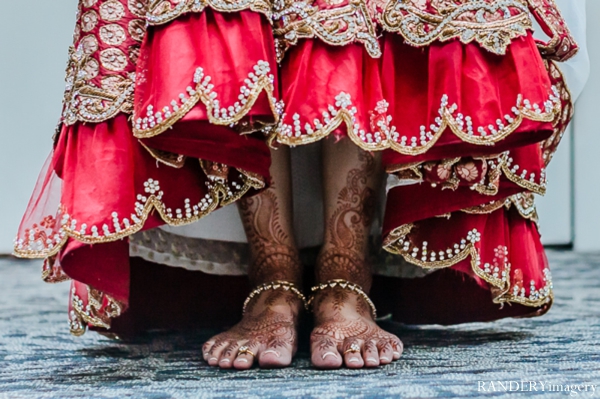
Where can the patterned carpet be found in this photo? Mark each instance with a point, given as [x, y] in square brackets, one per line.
[39, 359]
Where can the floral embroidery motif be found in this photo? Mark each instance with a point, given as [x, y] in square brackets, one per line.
[492, 24]
[157, 120]
[384, 135]
[336, 26]
[163, 11]
[88, 103]
[101, 69]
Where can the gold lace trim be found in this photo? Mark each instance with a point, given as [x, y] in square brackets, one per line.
[491, 24]
[524, 203]
[156, 122]
[561, 123]
[167, 158]
[161, 12]
[38, 243]
[85, 102]
[93, 313]
[398, 242]
[337, 26]
[386, 137]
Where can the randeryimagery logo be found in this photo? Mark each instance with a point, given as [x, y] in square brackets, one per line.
[581, 390]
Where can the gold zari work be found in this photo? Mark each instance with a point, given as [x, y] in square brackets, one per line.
[163, 11]
[492, 24]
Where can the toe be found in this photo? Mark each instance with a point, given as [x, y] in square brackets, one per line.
[351, 352]
[370, 354]
[324, 354]
[386, 351]
[214, 354]
[244, 361]
[277, 354]
[397, 347]
[206, 349]
[228, 355]
[273, 357]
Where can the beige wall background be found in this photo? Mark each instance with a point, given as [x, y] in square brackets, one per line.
[33, 53]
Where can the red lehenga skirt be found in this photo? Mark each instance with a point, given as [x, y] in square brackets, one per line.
[467, 126]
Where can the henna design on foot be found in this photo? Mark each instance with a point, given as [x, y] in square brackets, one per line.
[338, 329]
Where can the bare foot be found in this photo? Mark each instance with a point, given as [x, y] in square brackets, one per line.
[345, 333]
[268, 330]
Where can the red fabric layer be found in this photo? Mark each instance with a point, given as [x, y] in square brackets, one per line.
[105, 174]
[198, 139]
[413, 81]
[415, 202]
[314, 73]
[164, 297]
[483, 85]
[227, 46]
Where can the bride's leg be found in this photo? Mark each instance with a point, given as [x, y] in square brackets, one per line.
[342, 318]
[269, 325]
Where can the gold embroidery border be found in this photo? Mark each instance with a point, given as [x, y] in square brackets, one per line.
[156, 16]
[218, 194]
[344, 115]
[392, 245]
[312, 24]
[201, 94]
[94, 313]
[494, 36]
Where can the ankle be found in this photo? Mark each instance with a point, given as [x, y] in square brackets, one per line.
[342, 264]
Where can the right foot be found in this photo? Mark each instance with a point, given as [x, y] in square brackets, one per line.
[346, 334]
[268, 330]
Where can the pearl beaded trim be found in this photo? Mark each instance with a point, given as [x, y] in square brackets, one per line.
[98, 311]
[84, 102]
[387, 137]
[40, 241]
[157, 121]
[496, 273]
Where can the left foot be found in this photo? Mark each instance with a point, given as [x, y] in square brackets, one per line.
[346, 334]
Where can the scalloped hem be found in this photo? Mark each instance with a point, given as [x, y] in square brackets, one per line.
[386, 136]
[497, 273]
[160, 118]
[42, 245]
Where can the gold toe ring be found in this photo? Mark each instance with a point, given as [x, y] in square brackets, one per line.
[354, 348]
[244, 349]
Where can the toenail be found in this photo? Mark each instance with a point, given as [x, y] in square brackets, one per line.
[225, 361]
[329, 354]
[272, 351]
[242, 360]
[384, 358]
[212, 358]
[371, 360]
[396, 353]
[206, 354]
[354, 360]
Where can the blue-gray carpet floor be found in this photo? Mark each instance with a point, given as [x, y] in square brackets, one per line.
[561, 350]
